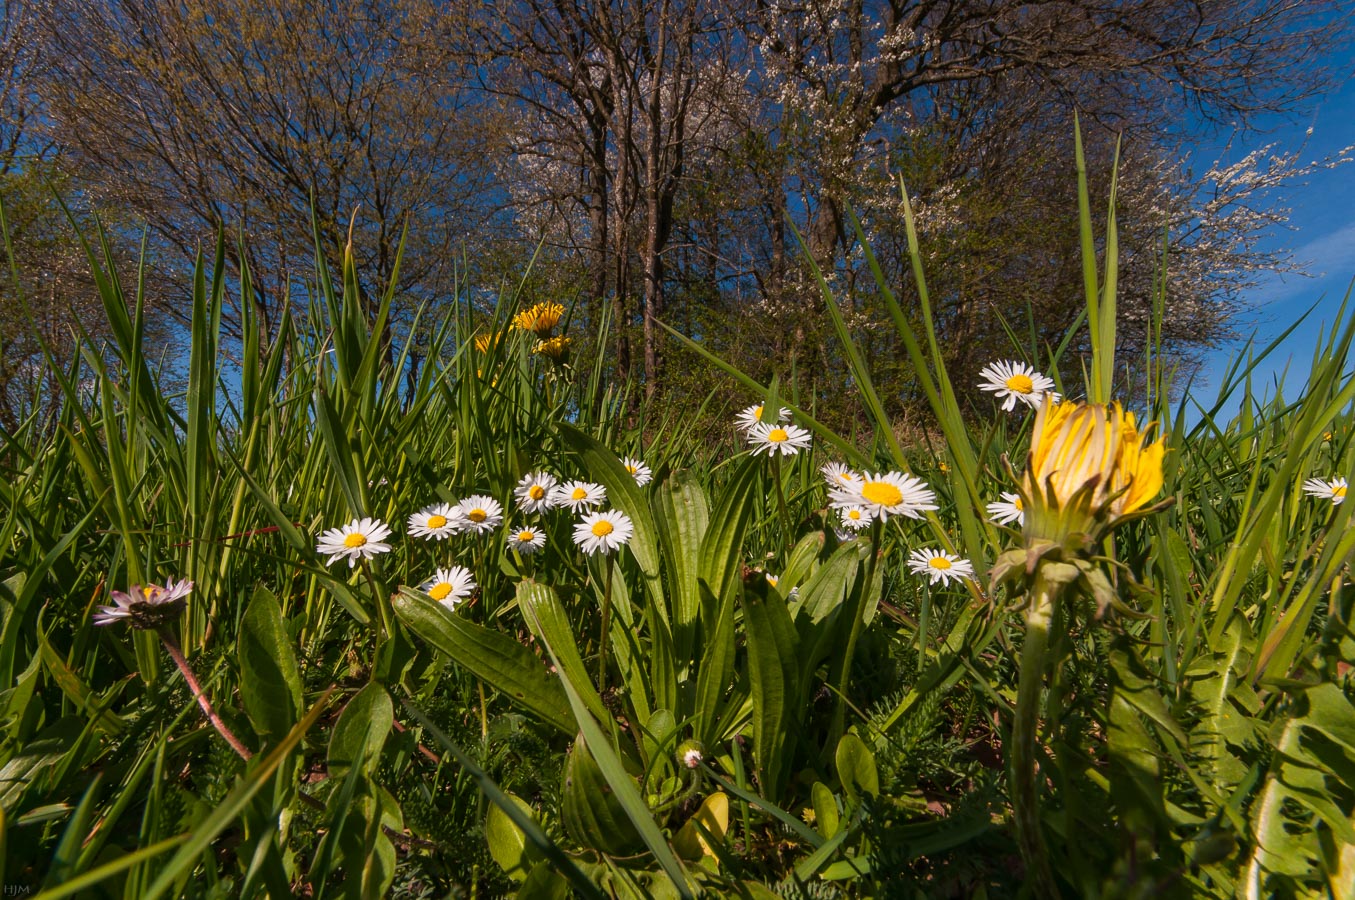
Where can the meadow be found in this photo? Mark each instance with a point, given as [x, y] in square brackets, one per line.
[305, 628]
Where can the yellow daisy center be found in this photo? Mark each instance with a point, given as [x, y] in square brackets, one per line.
[1338, 491]
[477, 515]
[440, 590]
[602, 528]
[148, 591]
[536, 492]
[526, 537]
[1020, 383]
[881, 493]
[939, 562]
[355, 540]
[778, 435]
[437, 521]
[757, 413]
[854, 515]
[1017, 505]
[630, 468]
[578, 494]
[773, 580]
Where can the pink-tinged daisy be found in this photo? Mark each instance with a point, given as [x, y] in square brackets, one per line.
[1016, 381]
[436, 522]
[1008, 510]
[533, 492]
[772, 439]
[450, 586]
[938, 565]
[605, 531]
[146, 606]
[579, 495]
[359, 539]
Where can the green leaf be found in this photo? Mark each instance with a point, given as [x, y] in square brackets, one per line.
[683, 518]
[856, 769]
[774, 670]
[625, 790]
[497, 658]
[546, 618]
[361, 731]
[623, 494]
[270, 680]
[826, 818]
[722, 548]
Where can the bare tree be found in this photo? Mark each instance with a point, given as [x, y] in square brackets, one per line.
[213, 113]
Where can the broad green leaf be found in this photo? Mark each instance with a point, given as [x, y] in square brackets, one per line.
[683, 518]
[856, 769]
[722, 547]
[270, 680]
[501, 661]
[774, 671]
[361, 731]
[548, 621]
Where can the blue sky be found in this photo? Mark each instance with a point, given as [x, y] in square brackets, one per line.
[1321, 237]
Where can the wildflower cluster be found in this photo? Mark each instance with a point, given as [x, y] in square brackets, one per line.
[536, 493]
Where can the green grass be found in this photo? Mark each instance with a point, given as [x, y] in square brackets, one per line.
[1197, 741]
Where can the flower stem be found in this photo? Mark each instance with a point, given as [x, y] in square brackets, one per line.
[1025, 786]
[781, 500]
[606, 624]
[382, 602]
[176, 654]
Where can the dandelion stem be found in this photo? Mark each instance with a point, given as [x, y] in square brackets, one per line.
[1025, 789]
[606, 623]
[176, 654]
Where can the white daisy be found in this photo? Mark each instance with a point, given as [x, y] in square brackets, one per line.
[854, 518]
[938, 565]
[450, 586]
[886, 494]
[436, 522]
[773, 580]
[579, 495]
[773, 439]
[359, 538]
[146, 606]
[603, 531]
[526, 540]
[1016, 381]
[1334, 490]
[750, 417]
[1009, 510]
[643, 473]
[481, 513]
[533, 492]
[838, 475]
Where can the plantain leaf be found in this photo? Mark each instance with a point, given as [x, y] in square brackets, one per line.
[270, 680]
[498, 659]
[774, 670]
